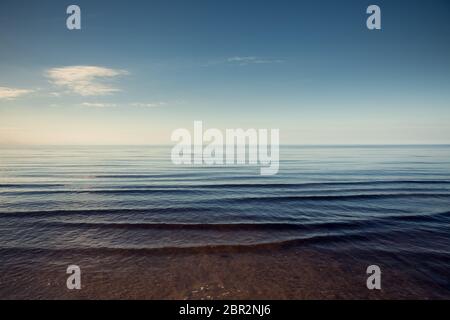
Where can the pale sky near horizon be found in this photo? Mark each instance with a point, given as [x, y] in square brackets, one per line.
[140, 69]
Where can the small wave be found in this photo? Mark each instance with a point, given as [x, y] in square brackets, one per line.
[29, 185]
[258, 226]
[227, 185]
[336, 197]
[194, 190]
[206, 248]
[221, 227]
[319, 184]
[145, 176]
[105, 191]
[421, 217]
[91, 212]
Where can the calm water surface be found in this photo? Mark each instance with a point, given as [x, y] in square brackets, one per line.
[390, 202]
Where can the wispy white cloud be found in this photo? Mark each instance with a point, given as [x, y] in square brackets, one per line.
[136, 104]
[252, 60]
[148, 105]
[12, 93]
[243, 61]
[84, 80]
[98, 105]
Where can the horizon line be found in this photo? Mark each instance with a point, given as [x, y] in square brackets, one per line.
[171, 145]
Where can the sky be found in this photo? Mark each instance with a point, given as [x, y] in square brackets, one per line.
[138, 70]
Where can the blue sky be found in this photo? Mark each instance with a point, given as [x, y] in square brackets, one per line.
[140, 69]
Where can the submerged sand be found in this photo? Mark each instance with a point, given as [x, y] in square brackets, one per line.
[263, 273]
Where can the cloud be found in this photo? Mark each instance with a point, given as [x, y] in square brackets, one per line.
[252, 60]
[148, 105]
[243, 61]
[12, 93]
[110, 105]
[84, 80]
[98, 105]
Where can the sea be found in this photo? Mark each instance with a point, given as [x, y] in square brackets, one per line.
[391, 203]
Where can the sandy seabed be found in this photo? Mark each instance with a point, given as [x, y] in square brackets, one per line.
[262, 273]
